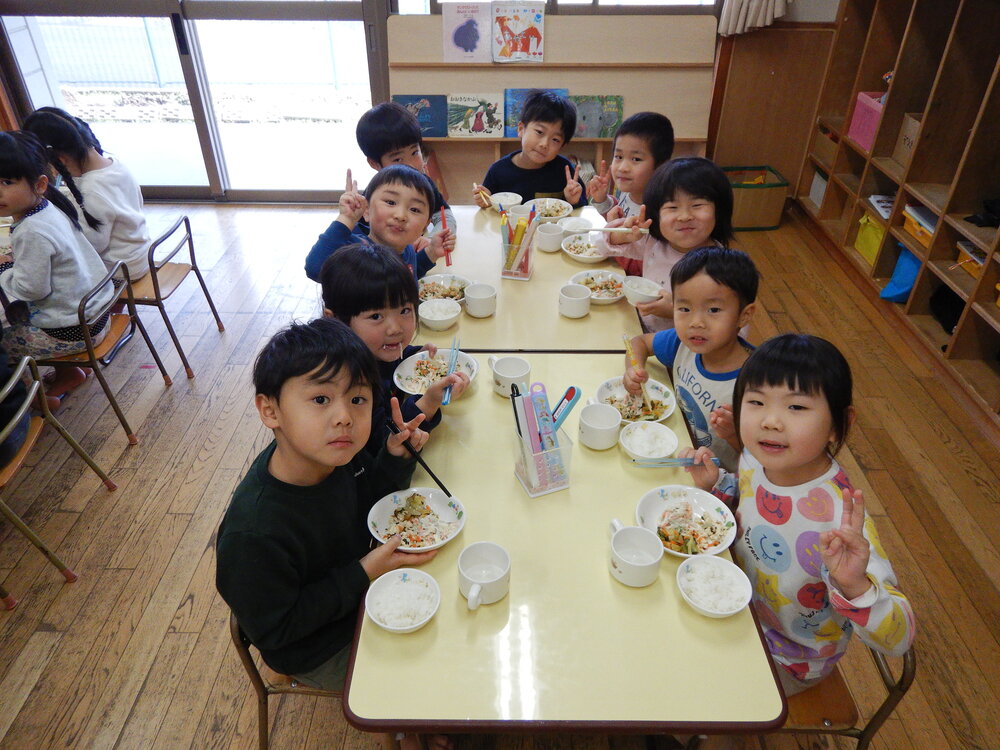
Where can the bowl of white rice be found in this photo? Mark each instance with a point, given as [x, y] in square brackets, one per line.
[713, 586]
[646, 440]
[439, 314]
[403, 600]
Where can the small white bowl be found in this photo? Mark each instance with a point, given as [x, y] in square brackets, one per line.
[638, 289]
[507, 200]
[384, 591]
[439, 321]
[445, 280]
[574, 225]
[557, 206]
[581, 278]
[626, 439]
[574, 239]
[733, 580]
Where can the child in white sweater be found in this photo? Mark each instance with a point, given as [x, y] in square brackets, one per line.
[104, 189]
[54, 265]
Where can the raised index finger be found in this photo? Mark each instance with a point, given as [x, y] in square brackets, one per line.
[350, 182]
[854, 511]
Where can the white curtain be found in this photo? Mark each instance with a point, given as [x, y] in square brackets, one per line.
[739, 16]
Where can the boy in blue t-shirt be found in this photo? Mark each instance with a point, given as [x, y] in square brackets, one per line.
[548, 122]
[714, 289]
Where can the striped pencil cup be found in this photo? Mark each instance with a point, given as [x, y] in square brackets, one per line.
[543, 471]
[515, 260]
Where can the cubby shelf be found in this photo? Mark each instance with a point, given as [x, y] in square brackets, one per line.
[946, 60]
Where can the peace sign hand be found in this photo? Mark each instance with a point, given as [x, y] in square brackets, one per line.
[635, 222]
[597, 188]
[573, 190]
[845, 551]
[352, 204]
[407, 430]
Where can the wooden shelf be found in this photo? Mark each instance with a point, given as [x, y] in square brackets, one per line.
[930, 329]
[834, 124]
[989, 313]
[934, 195]
[850, 182]
[981, 377]
[983, 237]
[889, 167]
[959, 281]
[811, 208]
[909, 241]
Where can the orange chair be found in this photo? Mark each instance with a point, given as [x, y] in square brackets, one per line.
[117, 326]
[164, 277]
[7, 473]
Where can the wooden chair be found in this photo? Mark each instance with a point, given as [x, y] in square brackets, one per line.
[164, 277]
[117, 326]
[35, 394]
[829, 707]
[271, 683]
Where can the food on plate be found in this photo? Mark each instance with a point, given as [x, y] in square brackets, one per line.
[681, 529]
[417, 524]
[426, 371]
[714, 587]
[581, 245]
[404, 601]
[450, 289]
[631, 406]
[551, 209]
[602, 286]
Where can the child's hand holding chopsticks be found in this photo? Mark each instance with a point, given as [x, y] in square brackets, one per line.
[442, 243]
[481, 196]
[407, 431]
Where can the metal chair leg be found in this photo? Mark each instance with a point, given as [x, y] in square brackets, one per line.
[21, 526]
[132, 439]
[108, 482]
[152, 350]
[7, 598]
[211, 304]
[173, 336]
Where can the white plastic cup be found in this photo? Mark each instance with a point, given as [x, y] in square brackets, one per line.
[483, 573]
[635, 554]
[548, 238]
[507, 371]
[480, 300]
[574, 300]
[599, 426]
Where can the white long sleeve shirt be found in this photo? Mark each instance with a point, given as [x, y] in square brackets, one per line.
[112, 195]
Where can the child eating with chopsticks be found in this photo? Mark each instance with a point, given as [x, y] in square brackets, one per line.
[293, 560]
[397, 205]
[714, 290]
[371, 290]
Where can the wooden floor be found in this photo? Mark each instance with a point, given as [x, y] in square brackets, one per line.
[136, 653]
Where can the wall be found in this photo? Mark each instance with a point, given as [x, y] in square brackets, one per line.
[812, 11]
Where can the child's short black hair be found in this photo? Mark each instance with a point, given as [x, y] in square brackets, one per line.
[403, 175]
[548, 106]
[653, 128]
[802, 363]
[325, 346]
[386, 127]
[359, 277]
[723, 265]
[699, 178]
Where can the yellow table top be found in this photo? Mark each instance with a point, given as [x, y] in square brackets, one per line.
[569, 646]
[527, 316]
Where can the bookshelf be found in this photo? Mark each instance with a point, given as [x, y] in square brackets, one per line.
[945, 55]
[667, 66]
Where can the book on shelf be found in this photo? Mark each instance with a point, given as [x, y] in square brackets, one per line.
[466, 32]
[517, 33]
[882, 204]
[431, 111]
[598, 115]
[922, 215]
[475, 115]
[513, 102]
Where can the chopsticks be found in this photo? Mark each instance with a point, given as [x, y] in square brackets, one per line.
[452, 363]
[635, 366]
[413, 452]
[640, 230]
[655, 463]
[444, 226]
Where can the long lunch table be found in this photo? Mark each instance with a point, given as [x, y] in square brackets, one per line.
[569, 648]
[527, 316]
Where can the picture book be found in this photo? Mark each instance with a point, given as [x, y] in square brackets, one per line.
[598, 115]
[475, 115]
[431, 111]
[513, 101]
[466, 34]
[518, 30]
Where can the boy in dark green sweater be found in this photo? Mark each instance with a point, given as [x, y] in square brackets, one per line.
[293, 559]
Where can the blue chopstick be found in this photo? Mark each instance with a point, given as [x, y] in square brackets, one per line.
[451, 368]
[653, 463]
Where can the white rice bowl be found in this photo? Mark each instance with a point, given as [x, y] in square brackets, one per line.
[439, 314]
[507, 200]
[574, 225]
[403, 600]
[713, 586]
[648, 440]
[638, 289]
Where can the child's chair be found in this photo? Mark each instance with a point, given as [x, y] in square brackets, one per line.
[117, 325]
[35, 394]
[278, 684]
[164, 277]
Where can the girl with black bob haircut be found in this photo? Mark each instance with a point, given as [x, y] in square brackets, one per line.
[698, 178]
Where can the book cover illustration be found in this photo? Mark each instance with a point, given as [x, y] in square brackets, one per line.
[518, 31]
[598, 115]
[475, 115]
[431, 111]
[466, 32]
[513, 103]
